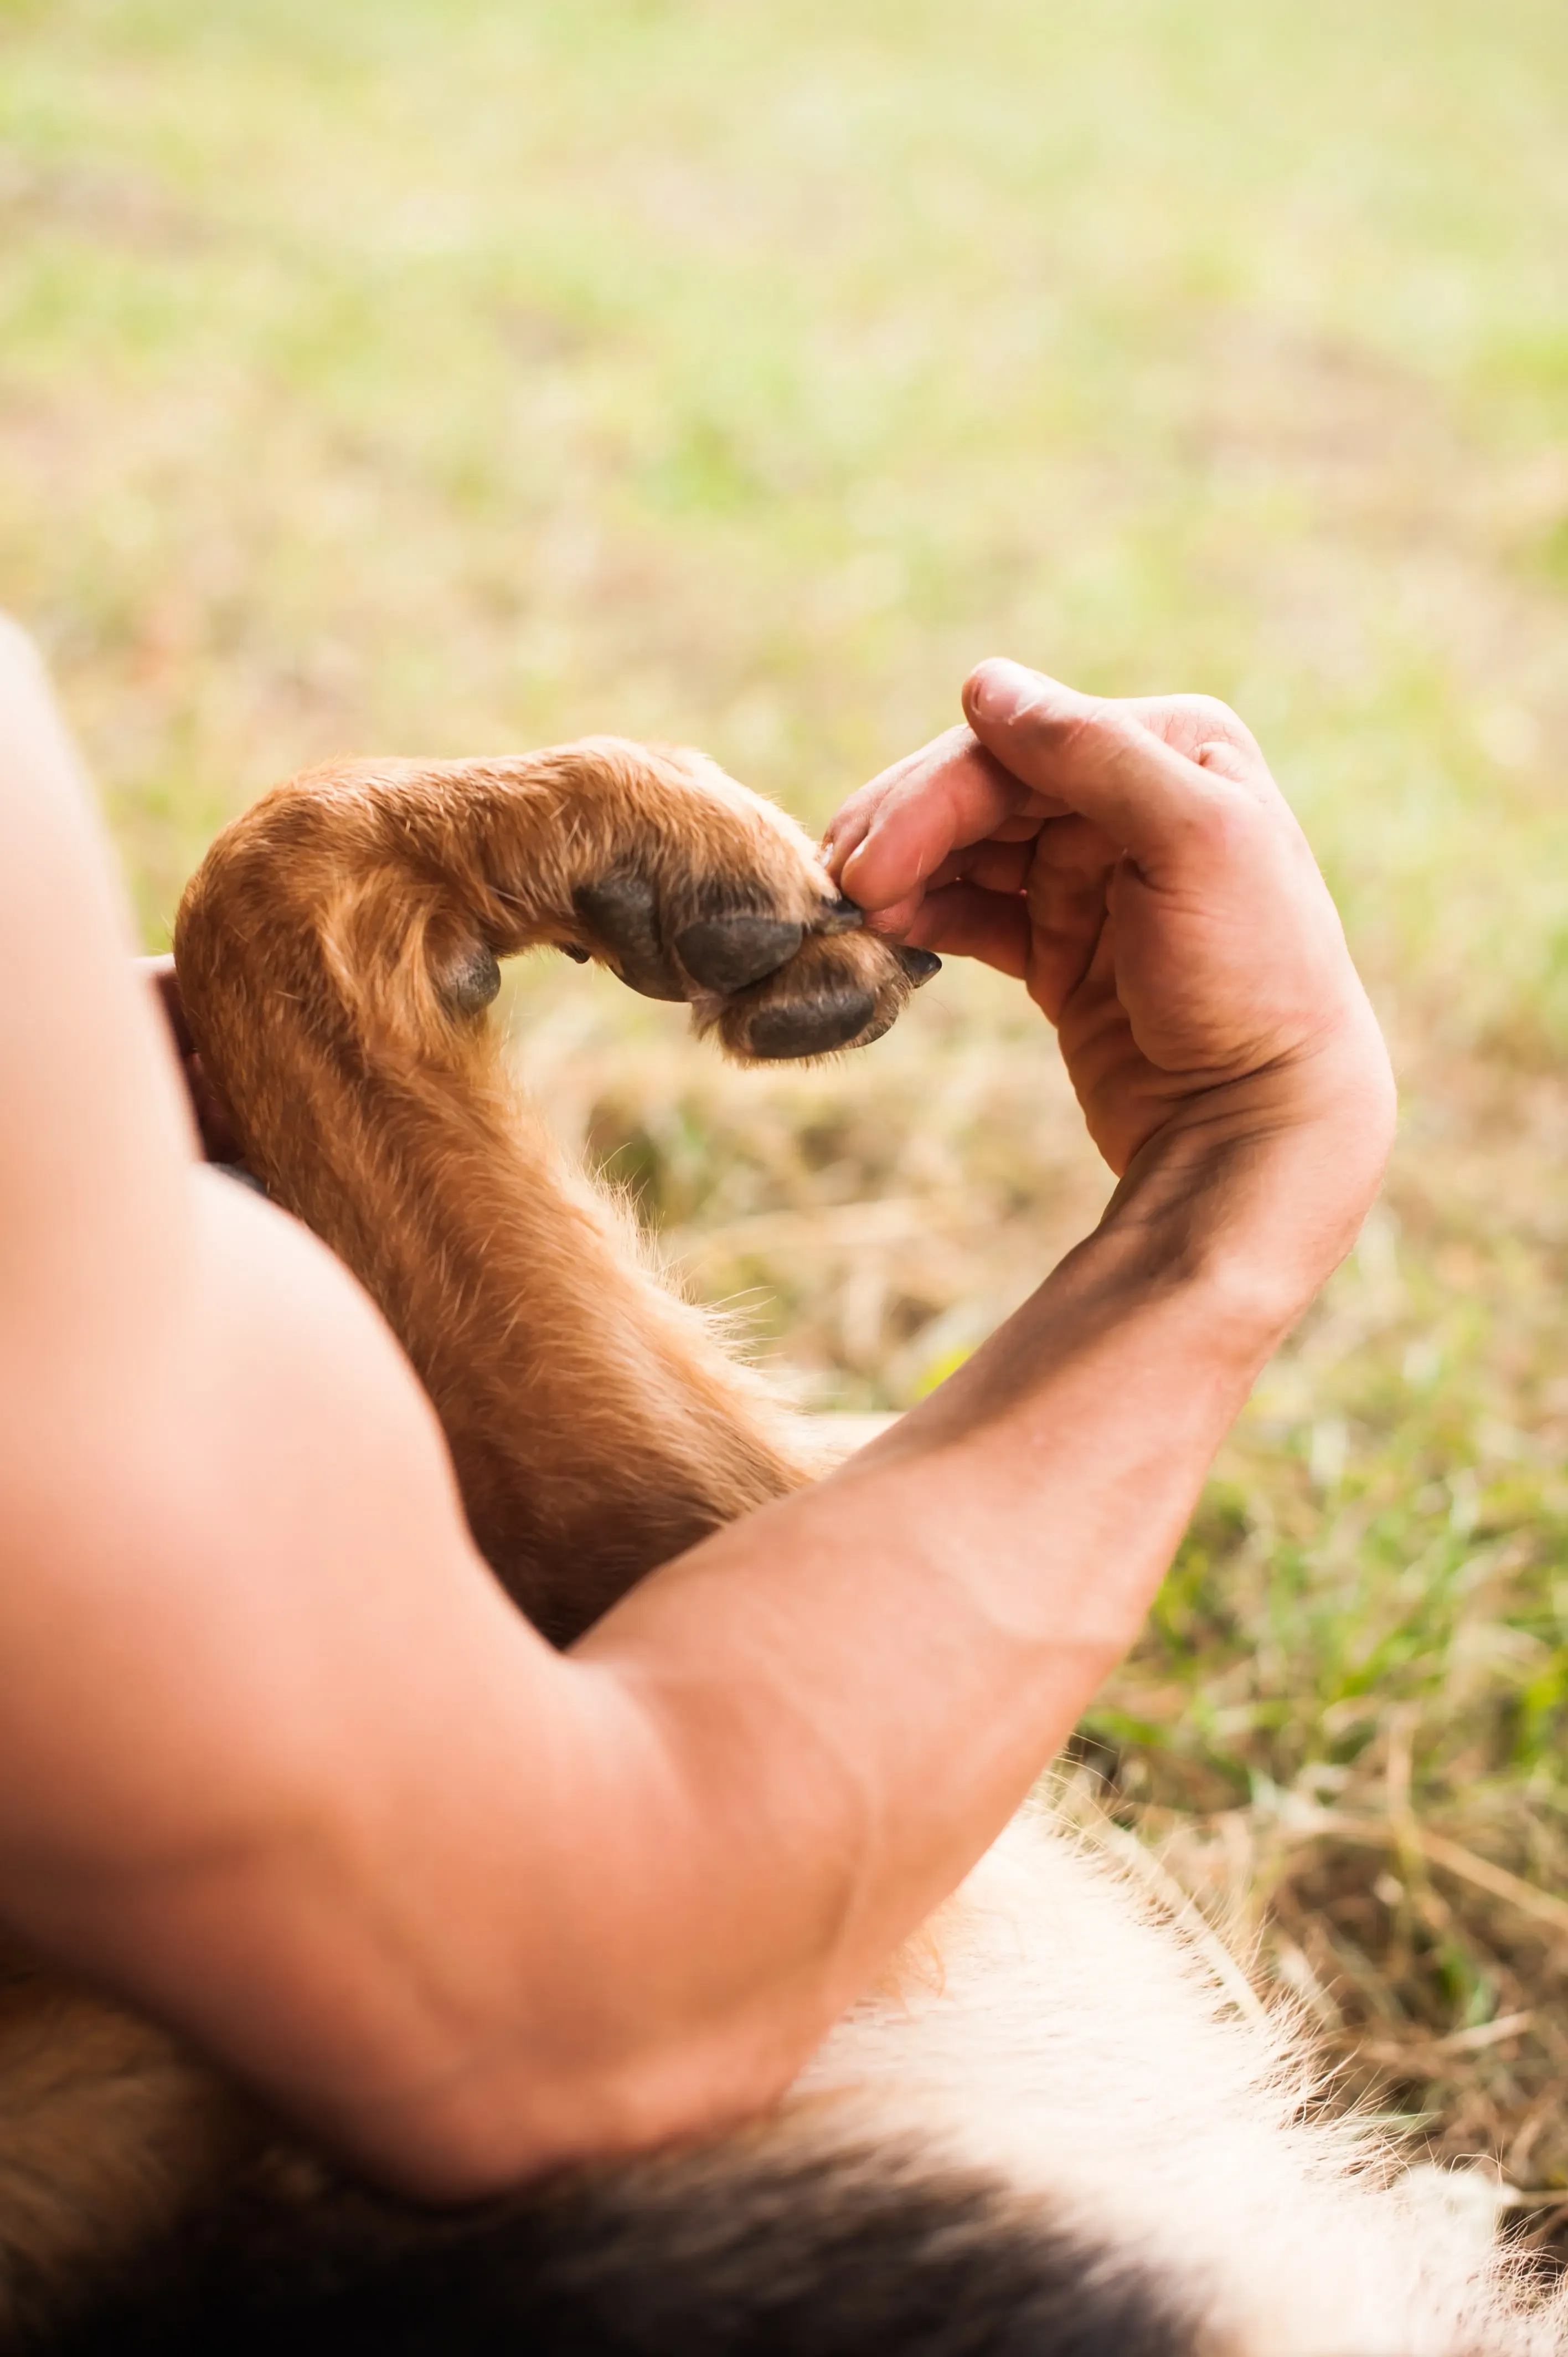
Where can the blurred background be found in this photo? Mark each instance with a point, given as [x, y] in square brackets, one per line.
[458, 375]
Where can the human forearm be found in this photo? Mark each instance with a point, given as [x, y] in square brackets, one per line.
[472, 1909]
[955, 1594]
[783, 1750]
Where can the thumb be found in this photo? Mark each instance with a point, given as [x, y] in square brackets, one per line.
[1223, 759]
[1090, 755]
[940, 801]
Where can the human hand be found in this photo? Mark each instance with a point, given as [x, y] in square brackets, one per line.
[1134, 864]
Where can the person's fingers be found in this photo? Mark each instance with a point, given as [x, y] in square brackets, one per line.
[1187, 722]
[852, 823]
[895, 921]
[1228, 759]
[857, 816]
[952, 794]
[996, 865]
[963, 920]
[1070, 873]
[1210, 734]
[1096, 758]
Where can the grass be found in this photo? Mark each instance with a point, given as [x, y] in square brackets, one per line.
[470, 375]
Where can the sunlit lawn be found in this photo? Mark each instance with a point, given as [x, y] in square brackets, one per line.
[451, 374]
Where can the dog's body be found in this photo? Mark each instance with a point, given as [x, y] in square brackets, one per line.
[1052, 2132]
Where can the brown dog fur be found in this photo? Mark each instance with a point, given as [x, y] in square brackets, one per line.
[331, 951]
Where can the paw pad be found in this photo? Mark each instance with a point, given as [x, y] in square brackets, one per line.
[810, 1026]
[472, 979]
[726, 954]
[623, 911]
[775, 985]
[722, 953]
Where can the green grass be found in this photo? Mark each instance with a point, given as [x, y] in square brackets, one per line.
[470, 374]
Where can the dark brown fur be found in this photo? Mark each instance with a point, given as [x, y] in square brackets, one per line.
[769, 2245]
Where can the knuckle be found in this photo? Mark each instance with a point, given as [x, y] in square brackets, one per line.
[1221, 719]
[1210, 708]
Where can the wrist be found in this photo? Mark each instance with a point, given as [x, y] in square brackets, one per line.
[1256, 1190]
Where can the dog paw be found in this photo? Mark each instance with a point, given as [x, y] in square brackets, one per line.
[838, 991]
[722, 953]
[718, 899]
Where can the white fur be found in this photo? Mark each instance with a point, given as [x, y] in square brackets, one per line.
[1054, 2032]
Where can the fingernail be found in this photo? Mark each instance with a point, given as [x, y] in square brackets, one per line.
[998, 689]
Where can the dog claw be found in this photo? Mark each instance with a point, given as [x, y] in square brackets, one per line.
[724, 953]
[621, 909]
[811, 1027]
[919, 964]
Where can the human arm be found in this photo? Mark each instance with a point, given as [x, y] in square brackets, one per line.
[284, 1766]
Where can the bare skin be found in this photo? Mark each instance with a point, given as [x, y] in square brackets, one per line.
[286, 1769]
